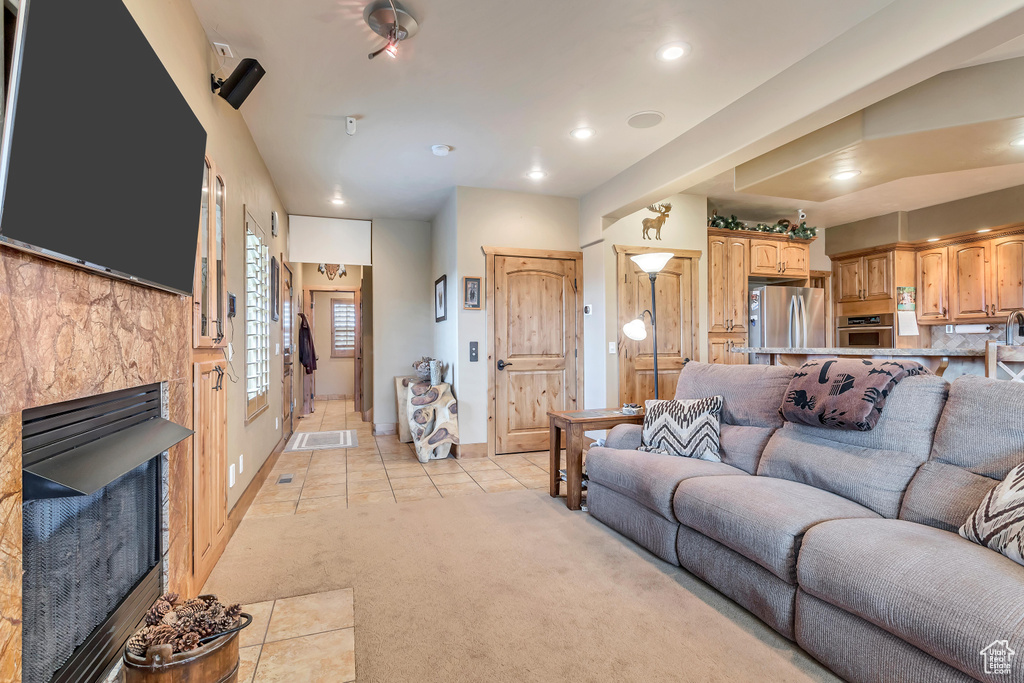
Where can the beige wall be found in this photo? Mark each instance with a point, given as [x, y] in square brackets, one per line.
[443, 261]
[174, 31]
[403, 318]
[867, 233]
[686, 228]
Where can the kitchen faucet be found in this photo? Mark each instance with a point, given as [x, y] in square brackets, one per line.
[1016, 317]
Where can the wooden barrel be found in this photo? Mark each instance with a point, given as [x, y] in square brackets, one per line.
[214, 662]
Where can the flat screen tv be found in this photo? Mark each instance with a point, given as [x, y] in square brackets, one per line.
[101, 163]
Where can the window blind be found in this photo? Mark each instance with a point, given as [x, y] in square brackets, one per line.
[257, 326]
[343, 327]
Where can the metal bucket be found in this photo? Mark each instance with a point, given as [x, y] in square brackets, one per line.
[215, 661]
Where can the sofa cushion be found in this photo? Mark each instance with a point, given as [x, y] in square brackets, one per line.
[943, 496]
[742, 445]
[751, 394]
[872, 468]
[761, 518]
[998, 523]
[935, 590]
[687, 428]
[649, 478]
[625, 437]
[982, 426]
[634, 521]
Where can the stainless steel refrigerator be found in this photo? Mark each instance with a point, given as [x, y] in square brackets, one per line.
[792, 317]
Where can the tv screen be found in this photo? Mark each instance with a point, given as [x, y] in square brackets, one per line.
[103, 157]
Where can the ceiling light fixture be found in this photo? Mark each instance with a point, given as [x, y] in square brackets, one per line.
[933, 239]
[645, 119]
[583, 133]
[440, 150]
[673, 51]
[391, 21]
[537, 174]
[985, 230]
[337, 201]
[845, 175]
[1019, 142]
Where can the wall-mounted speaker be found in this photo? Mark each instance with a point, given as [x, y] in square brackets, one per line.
[241, 82]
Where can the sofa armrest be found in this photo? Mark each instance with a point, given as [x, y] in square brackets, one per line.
[624, 437]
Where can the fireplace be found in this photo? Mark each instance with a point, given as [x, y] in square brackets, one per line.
[92, 529]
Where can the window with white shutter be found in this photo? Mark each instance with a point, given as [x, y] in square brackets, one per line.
[343, 326]
[257, 325]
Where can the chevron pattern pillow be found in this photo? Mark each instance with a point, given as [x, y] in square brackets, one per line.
[686, 428]
[998, 523]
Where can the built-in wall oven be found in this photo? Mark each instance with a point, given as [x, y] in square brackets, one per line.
[867, 331]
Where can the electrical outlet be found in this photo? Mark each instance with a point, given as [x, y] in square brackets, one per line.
[949, 329]
[223, 50]
[241, 463]
[277, 349]
[611, 348]
[231, 476]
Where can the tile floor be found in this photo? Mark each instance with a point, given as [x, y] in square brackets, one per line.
[382, 470]
[308, 638]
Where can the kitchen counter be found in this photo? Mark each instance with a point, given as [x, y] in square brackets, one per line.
[880, 353]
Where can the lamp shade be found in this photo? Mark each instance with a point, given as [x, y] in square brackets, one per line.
[652, 263]
[635, 330]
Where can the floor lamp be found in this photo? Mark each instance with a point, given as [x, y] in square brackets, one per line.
[652, 264]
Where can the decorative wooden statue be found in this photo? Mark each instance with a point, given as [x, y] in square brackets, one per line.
[433, 415]
[656, 223]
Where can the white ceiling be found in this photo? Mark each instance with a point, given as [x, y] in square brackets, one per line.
[503, 83]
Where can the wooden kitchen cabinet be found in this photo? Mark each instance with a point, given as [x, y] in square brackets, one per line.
[1007, 272]
[970, 281]
[720, 349]
[765, 258]
[727, 284]
[796, 259]
[864, 278]
[209, 467]
[848, 275]
[932, 296]
[772, 258]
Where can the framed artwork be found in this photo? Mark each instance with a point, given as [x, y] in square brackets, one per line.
[441, 299]
[471, 300]
[275, 290]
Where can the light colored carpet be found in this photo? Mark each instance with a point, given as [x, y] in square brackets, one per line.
[505, 587]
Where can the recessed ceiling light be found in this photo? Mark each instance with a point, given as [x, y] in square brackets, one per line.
[933, 239]
[645, 119]
[845, 175]
[985, 230]
[440, 150]
[1019, 142]
[338, 201]
[536, 175]
[673, 51]
[583, 133]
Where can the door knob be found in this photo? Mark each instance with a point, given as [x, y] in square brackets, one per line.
[502, 365]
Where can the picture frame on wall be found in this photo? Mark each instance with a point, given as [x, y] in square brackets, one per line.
[275, 289]
[472, 299]
[441, 299]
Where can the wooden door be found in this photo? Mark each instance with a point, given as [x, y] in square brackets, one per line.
[718, 284]
[969, 281]
[764, 258]
[210, 468]
[849, 283]
[535, 342]
[676, 287]
[932, 305]
[796, 259]
[736, 284]
[1007, 268]
[878, 277]
[720, 347]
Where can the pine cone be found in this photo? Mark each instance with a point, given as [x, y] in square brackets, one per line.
[139, 643]
[232, 612]
[171, 598]
[157, 612]
[191, 607]
[163, 635]
[188, 641]
[171, 619]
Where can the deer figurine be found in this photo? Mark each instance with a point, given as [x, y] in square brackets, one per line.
[656, 223]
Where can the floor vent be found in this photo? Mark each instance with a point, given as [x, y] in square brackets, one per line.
[284, 479]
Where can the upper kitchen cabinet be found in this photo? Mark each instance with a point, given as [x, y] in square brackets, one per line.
[773, 258]
[727, 284]
[970, 281]
[1007, 267]
[864, 278]
[932, 297]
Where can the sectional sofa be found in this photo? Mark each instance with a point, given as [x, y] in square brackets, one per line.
[845, 542]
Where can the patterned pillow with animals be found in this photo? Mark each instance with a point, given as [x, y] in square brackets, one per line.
[998, 523]
[685, 428]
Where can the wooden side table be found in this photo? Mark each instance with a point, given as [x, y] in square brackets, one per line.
[574, 424]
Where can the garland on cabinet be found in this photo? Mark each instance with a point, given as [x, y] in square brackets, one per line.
[782, 227]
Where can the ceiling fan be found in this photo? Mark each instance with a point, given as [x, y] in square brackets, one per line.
[392, 22]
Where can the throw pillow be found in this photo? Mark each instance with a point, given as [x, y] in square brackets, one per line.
[998, 523]
[685, 428]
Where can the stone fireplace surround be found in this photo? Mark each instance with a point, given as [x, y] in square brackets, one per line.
[67, 334]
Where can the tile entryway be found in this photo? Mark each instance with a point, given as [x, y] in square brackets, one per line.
[381, 470]
[304, 638]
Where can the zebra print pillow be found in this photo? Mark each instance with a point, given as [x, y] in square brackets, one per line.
[998, 523]
[686, 428]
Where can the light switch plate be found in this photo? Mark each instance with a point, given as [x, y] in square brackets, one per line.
[277, 349]
[277, 423]
[611, 348]
[231, 476]
[241, 463]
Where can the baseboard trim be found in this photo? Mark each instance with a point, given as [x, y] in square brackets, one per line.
[333, 397]
[470, 450]
[385, 429]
